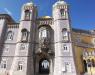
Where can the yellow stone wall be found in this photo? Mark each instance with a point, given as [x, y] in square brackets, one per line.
[78, 56]
[86, 39]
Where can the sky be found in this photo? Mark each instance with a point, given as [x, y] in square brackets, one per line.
[82, 12]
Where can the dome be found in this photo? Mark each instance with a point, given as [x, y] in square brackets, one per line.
[59, 3]
[46, 17]
[29, 4]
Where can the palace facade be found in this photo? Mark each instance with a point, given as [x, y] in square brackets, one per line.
[45, 45]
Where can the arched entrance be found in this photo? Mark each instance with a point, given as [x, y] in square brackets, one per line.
[85, 65]
[44, 66]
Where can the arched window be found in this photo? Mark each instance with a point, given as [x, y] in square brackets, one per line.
[85, 53]
[27, 15]
[65, 34]
[44, 66]
[44, 37]
[10, 35]
[44, 32]
[62, 12]
[24, 35]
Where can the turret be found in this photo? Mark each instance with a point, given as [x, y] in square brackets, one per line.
[29, 11]
[60, 10]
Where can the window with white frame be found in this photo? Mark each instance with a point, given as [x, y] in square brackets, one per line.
[20, 65]
[27, 15]
[65, 34]
[42, 32]
[10, 35]
[62, 12]
[65, 48]
[4, 64]
[68, 67]
[24, 35]
[22, 46]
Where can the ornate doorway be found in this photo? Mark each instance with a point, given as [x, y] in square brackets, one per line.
[44, 66]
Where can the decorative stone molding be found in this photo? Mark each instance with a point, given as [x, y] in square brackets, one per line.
[16, 25]
[45, 22]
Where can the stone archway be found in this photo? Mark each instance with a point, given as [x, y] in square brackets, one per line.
[44, 66]
[85, 65]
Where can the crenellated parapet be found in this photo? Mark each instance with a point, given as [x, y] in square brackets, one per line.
[45, 21]
[7, 17]
[13, 25]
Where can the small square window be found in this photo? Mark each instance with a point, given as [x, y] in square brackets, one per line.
[65, 48]
[20, 65]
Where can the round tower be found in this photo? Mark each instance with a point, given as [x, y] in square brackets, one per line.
[29, 11]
